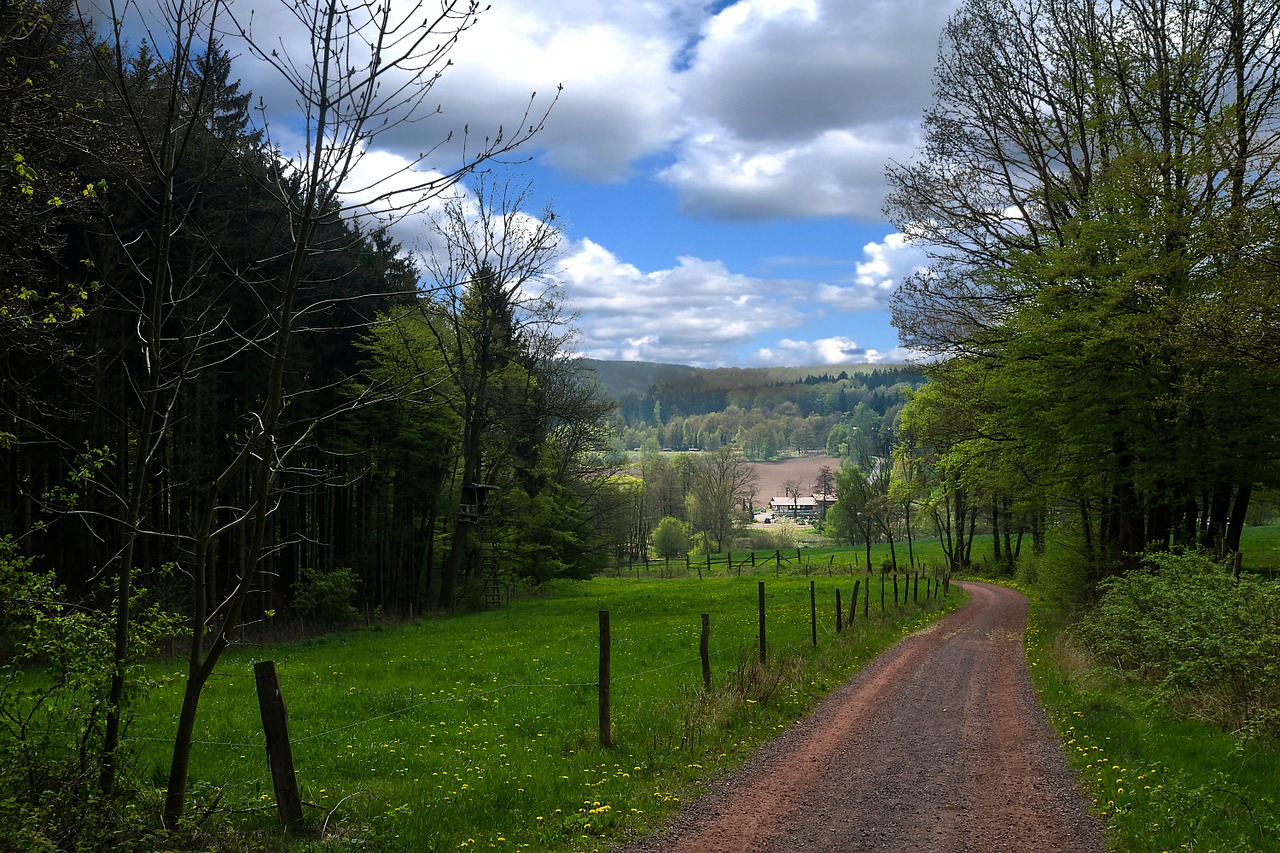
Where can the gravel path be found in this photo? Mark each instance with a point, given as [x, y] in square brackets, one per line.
[938, 745]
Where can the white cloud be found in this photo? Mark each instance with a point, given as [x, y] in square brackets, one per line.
[696, 312]
[837, 173]
[614, 61]
[765, 108]
[794, 70]
[884, 266]
[796, 105]
[835, 350]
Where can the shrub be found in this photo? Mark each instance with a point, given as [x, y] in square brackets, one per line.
[778, 537]
[670, 538]
[1209, 645]
[54, 677]
[326, 596]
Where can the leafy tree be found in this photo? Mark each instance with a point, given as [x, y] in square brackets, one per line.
[670, 538]
[1081, 225]
[850, 519]
[498, 325]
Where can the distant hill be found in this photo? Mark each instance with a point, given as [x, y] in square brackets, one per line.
[623, 379]
[764, 411]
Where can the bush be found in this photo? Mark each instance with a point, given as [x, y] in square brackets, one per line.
[781, 536]
[55, 668]
[670, 538]
[1210, 646]
[326, 596]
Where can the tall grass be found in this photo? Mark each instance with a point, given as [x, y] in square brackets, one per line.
[480, 731]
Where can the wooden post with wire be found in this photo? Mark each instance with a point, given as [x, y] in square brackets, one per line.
[704, 650]
[275, 724]
[813, 613]
[606, 733]
[762, 643]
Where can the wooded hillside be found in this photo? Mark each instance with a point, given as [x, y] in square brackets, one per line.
[763, 412]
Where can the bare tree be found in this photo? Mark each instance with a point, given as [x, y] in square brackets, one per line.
[723, 479]
[363, 69]
[791, 488]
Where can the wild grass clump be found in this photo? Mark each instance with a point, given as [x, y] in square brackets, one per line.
[1207, 644]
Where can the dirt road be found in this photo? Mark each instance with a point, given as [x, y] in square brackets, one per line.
[938, 745]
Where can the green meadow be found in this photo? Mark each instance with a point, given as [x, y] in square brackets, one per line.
[481, 731]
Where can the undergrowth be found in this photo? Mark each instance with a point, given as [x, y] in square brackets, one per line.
[1164, 768]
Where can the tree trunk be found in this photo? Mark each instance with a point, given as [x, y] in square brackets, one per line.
[1238, 511]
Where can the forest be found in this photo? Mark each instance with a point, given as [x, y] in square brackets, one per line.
[1103, 301]
[227, 392]
[763, 412]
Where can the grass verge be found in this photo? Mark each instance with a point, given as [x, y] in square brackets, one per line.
[1159, 783]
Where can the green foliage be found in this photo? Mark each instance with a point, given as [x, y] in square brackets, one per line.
[327, 596]
[1209, 646]
[553, 537]
[1159, 781]
[781, 535]
[670, 538]
[53, 684]
[761, 411]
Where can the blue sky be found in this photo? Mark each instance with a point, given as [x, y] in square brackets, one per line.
[718, 166]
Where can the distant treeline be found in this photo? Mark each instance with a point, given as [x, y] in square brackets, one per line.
[764, 411]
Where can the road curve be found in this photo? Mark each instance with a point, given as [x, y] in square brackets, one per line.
[938, 745]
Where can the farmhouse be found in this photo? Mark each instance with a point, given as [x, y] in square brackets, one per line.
[809, 507]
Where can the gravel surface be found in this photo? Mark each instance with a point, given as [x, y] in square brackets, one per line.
[938, 745]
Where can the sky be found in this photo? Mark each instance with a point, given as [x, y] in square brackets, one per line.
[716, 167]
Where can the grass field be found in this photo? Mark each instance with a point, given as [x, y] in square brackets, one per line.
[1261, 549]
[816, 557]
[481, 731]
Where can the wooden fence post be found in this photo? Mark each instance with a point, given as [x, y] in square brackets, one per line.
[606, 733]
[853, 602]
[895, 589]
[704, 650]
[275, 724]
[813, 613]
[839, 615]
[762, 642]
